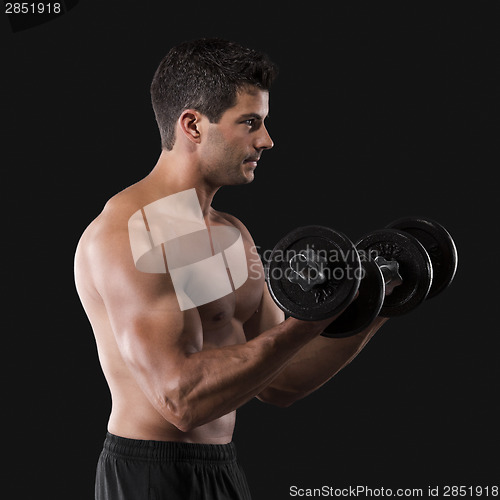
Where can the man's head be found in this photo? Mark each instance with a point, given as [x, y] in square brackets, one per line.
[205, 75]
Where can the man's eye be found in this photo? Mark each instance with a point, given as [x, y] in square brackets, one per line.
[250, 122]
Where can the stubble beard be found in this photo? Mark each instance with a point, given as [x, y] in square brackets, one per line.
[227, 169]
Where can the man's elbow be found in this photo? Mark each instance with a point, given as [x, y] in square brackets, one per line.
[173, 403]
[185, 424]
[177, 412]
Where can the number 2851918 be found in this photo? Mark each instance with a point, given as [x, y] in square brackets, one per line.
[33, 8]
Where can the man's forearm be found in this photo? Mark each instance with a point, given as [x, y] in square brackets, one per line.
[215, 382]
[316, 363]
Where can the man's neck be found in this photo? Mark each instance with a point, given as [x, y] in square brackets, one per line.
[174, 173]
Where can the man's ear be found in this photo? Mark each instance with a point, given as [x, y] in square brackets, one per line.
[189, 123]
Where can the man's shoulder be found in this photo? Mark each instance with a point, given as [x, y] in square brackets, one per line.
[110, 227]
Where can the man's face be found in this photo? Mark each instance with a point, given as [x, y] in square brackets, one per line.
[233, 146]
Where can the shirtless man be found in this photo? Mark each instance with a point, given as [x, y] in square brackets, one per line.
[177, 374]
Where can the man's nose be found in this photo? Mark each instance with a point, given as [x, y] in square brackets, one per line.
[264, 140]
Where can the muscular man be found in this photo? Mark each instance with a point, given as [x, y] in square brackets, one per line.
[177, 373]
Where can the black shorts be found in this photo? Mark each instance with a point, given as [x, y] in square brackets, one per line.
[132, 469]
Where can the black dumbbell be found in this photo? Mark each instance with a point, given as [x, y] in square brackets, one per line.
[313, 272]
[414, 258]
[440, 246]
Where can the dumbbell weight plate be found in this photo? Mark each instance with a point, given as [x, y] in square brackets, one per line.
[439, 245]
[340, 265]
[363, 310]
[414, 267]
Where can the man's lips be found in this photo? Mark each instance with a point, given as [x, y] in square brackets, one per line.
[252, 159]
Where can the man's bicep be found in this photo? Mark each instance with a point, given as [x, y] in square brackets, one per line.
[155, 344]
[151, 331]
[267, 316]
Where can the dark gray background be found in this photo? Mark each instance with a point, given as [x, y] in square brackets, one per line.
[379, 111]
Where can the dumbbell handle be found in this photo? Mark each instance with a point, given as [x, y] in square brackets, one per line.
[306, 269]
[390, 272]
[381, 276]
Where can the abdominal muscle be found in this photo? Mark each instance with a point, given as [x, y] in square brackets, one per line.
[139, 420]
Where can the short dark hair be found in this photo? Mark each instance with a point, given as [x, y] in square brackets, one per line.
[205, 75]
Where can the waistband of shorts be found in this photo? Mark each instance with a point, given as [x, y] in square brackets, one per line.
[163, 451]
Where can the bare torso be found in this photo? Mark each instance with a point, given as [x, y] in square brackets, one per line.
[215, 324]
